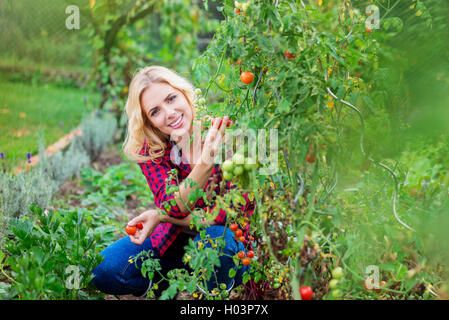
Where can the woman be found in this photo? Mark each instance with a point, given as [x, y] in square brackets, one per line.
[161, 112]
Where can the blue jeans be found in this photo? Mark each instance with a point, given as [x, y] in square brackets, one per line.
[116, 275]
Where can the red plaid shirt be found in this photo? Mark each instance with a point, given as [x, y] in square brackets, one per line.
[156, 172]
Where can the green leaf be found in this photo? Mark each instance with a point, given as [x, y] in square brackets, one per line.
[246, 277]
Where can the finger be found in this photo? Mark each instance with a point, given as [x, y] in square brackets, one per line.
[135, 239]
[135, 220]
[223, 125]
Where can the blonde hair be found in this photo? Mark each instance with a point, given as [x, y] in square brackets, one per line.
[139, 127]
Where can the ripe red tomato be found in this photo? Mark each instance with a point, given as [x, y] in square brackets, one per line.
[234, 227]
[247, 77]
[242, 239]
[139, 225]
[306, 293]
[246, 262]
[368, 30]
[219, 121]
[250, 254]
[238, 62]
[289, 55]
[131, 230]
[241, 255]
[310, 158]
[381, 284]
[237, 11]
[238, 233]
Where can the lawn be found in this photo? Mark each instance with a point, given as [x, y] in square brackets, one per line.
[27, 110]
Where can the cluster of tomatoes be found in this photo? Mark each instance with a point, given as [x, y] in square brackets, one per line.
[238, 165]
[238, 236]
[239, 7]
[131, 230]
[337, 274]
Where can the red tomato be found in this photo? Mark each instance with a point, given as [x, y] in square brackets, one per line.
[237, 11]
[131, 230]
[250, 254]
[234, 227]
[289, 55]
[368, 30]
[310, 158]
[241, 255]
[238, 233]
[219, 121]
[246, 262]
[306, 293]
[381, 284]
[247, 77]
[242, 239]
[139, 225]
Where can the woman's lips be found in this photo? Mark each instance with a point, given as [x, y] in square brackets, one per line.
[179, 122]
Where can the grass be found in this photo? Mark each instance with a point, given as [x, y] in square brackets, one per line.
[26, 111]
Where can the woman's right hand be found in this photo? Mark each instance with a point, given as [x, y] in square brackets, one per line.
[150, 219]
[213, 141]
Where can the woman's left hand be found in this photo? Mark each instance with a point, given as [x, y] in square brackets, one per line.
[150, 219]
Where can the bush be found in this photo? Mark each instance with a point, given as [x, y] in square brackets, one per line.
[98, 132]
[36, 187]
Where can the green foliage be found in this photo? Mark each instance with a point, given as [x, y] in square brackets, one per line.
[43, 251]
[115, 186]
[49, 111]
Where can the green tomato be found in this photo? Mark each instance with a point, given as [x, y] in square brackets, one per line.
[337, 293]
[227, 165]
[238, 158]
[249, 164]
[333, 283]
[227, 175]
[337, 273]
[276, 285]
[238, 170]
[201, 101]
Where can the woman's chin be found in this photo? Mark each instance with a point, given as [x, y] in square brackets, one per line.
[180, 132]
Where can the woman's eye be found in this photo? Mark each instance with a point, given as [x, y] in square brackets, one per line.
[172, 98]
[154, 112]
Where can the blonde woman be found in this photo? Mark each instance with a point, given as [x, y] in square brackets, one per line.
[161, 113]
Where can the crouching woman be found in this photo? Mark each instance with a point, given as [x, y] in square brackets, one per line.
[161, 113]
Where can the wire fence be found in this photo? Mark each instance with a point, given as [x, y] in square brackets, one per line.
[34, 34]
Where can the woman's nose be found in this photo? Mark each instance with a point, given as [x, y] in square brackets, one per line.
[171, 113]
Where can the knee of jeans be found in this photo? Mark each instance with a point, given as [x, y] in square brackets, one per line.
[107, 273]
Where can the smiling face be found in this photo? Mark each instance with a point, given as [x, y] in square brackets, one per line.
[167, 109]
